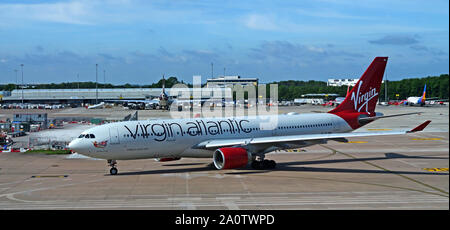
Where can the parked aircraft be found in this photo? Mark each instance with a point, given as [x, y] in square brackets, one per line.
[162, 102]
[417, 100]
[422, 101]
[234, 142]
[100, 105]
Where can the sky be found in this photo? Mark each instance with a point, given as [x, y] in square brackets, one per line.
[137, 41]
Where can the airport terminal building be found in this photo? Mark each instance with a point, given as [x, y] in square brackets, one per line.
[341, 82]
[230, 81]
[91, 96]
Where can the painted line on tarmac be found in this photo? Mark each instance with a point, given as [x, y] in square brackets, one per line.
[357, 142]
[436, 169]
[50, 176]
[427, 139]
[387, 170]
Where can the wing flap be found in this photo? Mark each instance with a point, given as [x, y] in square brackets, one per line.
[387, 116]
[293, 138]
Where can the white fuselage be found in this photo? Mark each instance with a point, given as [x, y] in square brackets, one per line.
[178, 137]
[414, 100]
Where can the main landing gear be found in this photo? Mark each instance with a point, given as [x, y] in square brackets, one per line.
[263, 164]
[112, 164]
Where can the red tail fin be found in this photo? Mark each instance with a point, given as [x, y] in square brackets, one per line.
[364, 95]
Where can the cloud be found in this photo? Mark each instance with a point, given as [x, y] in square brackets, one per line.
[426, 50]
[396, 40]
[331, 13]
[74, 12]
[39, 49]
[261, 22]
[201, 55]
[101, 12]
[284, 51]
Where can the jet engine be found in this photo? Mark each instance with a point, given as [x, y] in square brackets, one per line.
[230, 158]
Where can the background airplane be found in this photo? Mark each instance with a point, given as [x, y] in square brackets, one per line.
[234, 142]
[423, 101]
[100, 105]
[161, 102]
[417, 100]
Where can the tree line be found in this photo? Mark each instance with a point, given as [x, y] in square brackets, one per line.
[437, 86]
[92, 85]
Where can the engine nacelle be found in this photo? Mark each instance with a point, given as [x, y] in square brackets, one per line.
[230, 158]
[164, 159]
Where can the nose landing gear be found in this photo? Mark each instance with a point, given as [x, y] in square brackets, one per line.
[112, 164]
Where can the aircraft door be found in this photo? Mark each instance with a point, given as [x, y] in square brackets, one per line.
[114, 135]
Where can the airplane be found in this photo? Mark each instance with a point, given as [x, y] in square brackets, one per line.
[163, 101]
[422, 101]
[235, 142]
[417, 100]
[100, 105]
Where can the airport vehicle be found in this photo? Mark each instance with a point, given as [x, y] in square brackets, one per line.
[234, 142]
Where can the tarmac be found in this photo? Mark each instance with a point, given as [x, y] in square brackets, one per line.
[405, 172]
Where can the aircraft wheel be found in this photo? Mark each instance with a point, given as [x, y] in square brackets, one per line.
[269, 164]
[256, 165]
[113, 171]
[272, 164]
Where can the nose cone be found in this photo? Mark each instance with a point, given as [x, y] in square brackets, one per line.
[77, 146]
[73, 145]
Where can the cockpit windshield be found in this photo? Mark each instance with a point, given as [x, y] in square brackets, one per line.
[92, 136]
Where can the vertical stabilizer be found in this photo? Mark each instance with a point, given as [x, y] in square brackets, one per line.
[422, 99]
[364, 95]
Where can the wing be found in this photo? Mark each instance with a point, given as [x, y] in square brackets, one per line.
[276, 140]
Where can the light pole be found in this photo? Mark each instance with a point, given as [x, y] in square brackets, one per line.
[212, 70]
[21, 65]
[96, 83]
[16, 78]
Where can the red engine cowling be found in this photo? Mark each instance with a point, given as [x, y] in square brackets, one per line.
[230, 158]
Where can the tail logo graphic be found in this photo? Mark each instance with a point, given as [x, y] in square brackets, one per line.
[360, 100]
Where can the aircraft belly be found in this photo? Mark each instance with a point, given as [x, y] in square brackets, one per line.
[197, 153]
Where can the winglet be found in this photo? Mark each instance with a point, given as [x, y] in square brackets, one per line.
[420, 127]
